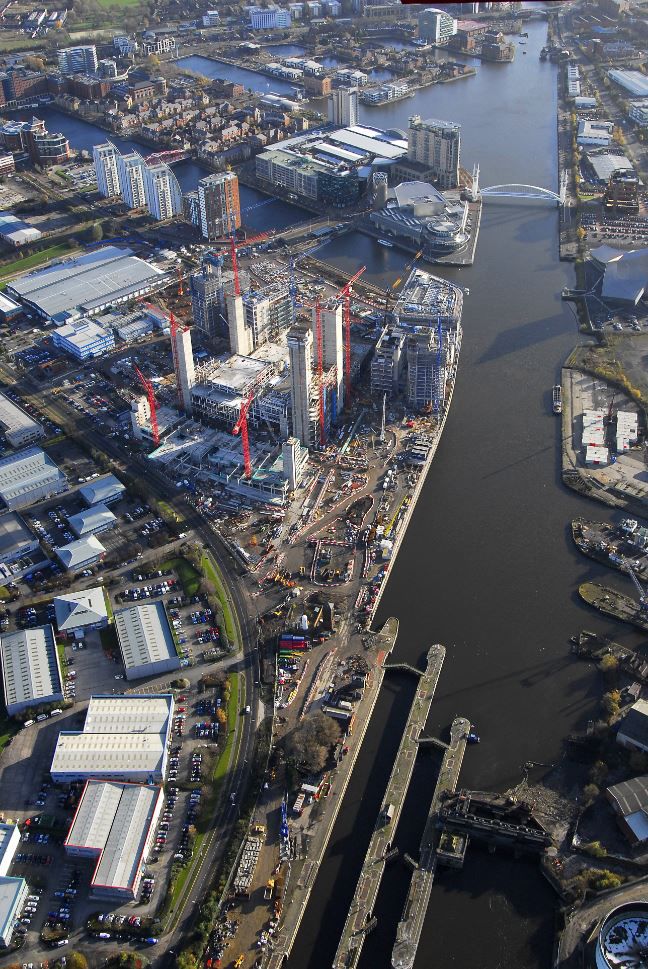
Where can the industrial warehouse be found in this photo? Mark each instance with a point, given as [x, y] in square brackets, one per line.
[125, 738]
[85, 285]
[146, 641]
[116, 824]
[31, 674]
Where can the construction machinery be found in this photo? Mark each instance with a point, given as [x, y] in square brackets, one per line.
[233, 247]
[150, 396]
[345, 293]
[241, 427]
[643, 598]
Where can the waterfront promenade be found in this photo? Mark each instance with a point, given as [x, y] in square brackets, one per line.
[366, 893]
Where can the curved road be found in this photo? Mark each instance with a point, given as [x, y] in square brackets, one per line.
[226, 814]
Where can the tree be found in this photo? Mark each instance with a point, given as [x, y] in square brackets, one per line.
[308, 744]
[153, 61]
[611, 704]
[76, 960]
[606, 879]
[598, 772]
[609, 664]
[590, 793]
[595, 849]
[96, 233]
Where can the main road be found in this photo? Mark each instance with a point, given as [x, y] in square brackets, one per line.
[226, 813]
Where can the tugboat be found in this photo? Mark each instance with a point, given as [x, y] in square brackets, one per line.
[473, 737]
[557, 399]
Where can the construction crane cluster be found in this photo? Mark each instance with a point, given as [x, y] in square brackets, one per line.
[150, 396]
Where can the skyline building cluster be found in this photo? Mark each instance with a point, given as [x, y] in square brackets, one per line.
[138, 184]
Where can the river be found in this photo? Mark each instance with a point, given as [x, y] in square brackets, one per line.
[487, 566]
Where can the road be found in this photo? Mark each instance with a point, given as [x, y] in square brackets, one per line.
[226, 814]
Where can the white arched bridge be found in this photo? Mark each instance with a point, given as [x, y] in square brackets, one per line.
[514, 190]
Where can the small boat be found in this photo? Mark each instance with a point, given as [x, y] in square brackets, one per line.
[473, 737]
[386, 243]
[557, 399]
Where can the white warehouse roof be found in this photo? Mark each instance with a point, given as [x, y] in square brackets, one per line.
[144, 635]
[85, 283]
[76, 554]
[26, 472]
[634, 82]
[122, 736]
[79, 609]
[14, 420]
[30, 668]
[102, 490]
[97, 518]
[114, 820]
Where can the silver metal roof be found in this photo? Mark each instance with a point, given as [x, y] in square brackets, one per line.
[14, 419]
[30, 670]
[144, 634]
[115, 820]
[27, 471]
[102, 489]
[80, 609]
[85, 282]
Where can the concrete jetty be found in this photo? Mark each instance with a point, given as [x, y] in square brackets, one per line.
[410, 926]
[359, 919]
[303, 871]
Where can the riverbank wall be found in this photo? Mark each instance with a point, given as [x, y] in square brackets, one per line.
[415, 496]
[302, 874]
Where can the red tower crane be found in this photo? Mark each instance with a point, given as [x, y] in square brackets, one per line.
[241, 427]
[180, 281]
[150, 395]
[345, 293]
[319, 349]
[233, 246]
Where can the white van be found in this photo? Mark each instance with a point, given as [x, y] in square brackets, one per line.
[29, 723]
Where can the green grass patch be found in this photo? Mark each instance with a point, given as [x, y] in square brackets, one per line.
[167, 512]
[60, 649]
[213, 574]
[188, 576]
[233, 711]
[37, 259]
[57, 439]
[4, 592]
[109, 608]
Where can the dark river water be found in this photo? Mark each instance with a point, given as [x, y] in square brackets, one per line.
[487, 567]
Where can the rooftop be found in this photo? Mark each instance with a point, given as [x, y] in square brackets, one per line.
[30, 669]
[96, 517]
[85, 283]
[13, 418]
[635, 723]
[13, 533]
[10, 891]
[25, 472]
[114, 819]
[78, 609]
[121, 734]
[144, 634]
[76, 554]
[82, 334]
[101, 489]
